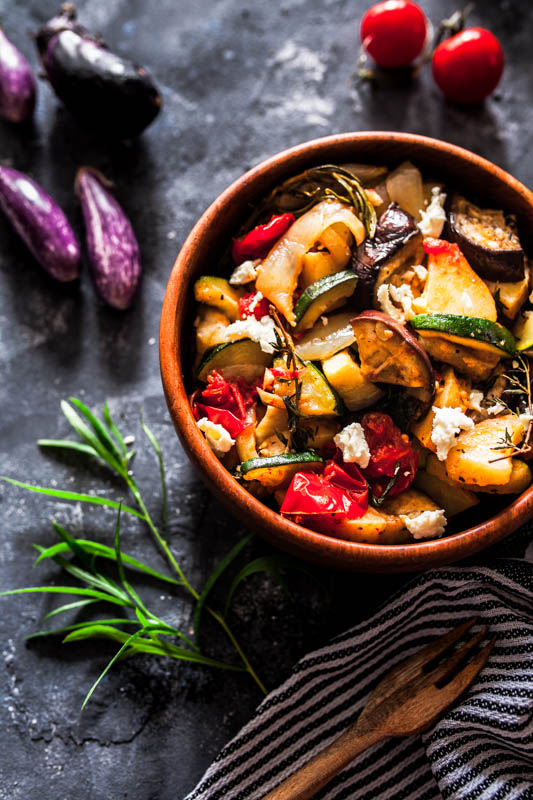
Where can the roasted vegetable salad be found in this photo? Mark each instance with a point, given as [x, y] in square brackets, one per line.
[363, 365]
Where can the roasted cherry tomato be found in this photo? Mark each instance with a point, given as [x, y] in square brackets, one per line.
[224, 402]
[388, 447]
[251, 306]
[468, 66]
[394, 32]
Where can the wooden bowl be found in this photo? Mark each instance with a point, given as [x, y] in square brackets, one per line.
[458, 168]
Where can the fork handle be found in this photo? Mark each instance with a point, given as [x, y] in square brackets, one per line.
[317, 772]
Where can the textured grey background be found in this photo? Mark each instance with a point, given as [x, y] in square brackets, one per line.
[240, 81]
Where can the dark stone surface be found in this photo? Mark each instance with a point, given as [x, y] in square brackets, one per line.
[240, 82]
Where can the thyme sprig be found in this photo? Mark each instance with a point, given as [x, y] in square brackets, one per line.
[145, 632]
[519, 385]
[299, 435]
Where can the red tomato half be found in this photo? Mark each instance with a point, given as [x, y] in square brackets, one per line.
[468, 66]
[394, 32]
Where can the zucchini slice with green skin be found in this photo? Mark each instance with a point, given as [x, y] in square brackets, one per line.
[523, 331]
[273, 471]
[322, 296]
[475, 332]
[240, 359]
[318, 397]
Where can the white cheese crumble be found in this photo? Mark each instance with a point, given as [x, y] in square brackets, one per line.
[353, 445]
[216, 436]
[426, 525]
[433, 217]
[389, 295]
[244, 273]
[474, 401]
[253, 304]
[258, 330]
[447, 423]
[420, 272]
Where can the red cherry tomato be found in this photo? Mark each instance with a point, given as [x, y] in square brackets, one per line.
[394, 32]
[468, 66]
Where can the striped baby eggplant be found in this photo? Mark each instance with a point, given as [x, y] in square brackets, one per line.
[106, 93]
[17, 83]
[111, 244]
[40, 223]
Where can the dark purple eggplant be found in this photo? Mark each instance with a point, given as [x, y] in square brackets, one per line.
[40, 223]
[106, 93]
[397, 238]
[390, 353]
[17, 83]
[111, 244]
[487, 240]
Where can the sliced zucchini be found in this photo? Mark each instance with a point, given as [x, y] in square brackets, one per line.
[217, 292]
[318, 397]
[322, 296]
[210, 324]
[324, 341]
[523, 331]
[240, 359]
[474, 332]
[346, 377]
[274, 471]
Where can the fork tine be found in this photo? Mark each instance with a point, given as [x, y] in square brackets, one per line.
[412, 665]
[468, 674]
[444, 670]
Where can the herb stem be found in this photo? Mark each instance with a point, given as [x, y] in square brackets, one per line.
[168, 553]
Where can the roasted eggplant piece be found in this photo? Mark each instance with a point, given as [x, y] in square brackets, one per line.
[397, 239]
[106, 93]
[487, 239]
[390, 353]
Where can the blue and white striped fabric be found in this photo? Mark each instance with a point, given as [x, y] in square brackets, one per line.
[483, 748]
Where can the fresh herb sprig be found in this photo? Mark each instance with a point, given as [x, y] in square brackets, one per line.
[146, 632]
[299, 435]
[519, 384]
[326, 182]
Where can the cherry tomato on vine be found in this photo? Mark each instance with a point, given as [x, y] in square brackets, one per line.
[394, 32]
[468, 66]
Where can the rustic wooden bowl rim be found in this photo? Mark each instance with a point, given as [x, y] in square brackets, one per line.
[281, 532]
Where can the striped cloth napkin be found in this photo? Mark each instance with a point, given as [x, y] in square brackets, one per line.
[482, 748]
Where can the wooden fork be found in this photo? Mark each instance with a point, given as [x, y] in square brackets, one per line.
[408, 700]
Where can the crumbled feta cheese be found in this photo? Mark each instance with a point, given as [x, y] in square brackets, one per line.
[258, 330]
[426, 525]
[389, 295]
[253, 304]
[216, 436]
[420, 272]
[353, 445]
[433, 217]
[447, 423]
[324, 320]
[244, 273]
[475, 399]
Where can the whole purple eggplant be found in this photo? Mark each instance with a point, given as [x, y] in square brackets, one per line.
[111, 244]
[40, 223]
[105, 92]
[17, 83]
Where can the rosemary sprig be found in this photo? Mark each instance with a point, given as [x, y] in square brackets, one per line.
[301, 192]
[103, 441]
